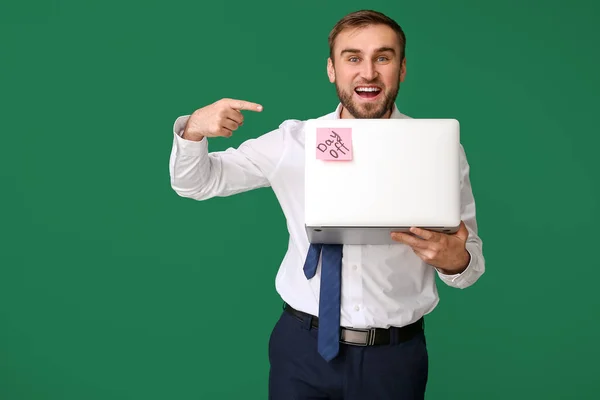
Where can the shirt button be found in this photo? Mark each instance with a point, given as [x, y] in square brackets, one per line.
[356, 308]
[355, 267]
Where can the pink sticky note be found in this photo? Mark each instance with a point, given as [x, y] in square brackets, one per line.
[334, 144]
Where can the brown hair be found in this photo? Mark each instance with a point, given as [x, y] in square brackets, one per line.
[362, 18]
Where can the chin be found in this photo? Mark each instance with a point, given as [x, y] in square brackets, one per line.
[366, 111]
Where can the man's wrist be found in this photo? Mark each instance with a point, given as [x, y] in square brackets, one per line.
[462, 265]
[186, 136]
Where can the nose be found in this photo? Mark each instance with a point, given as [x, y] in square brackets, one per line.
[368, 71]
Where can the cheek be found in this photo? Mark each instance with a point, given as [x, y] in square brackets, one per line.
[390, 80]
[344, 77]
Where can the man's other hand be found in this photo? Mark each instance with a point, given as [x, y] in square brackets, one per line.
[445, 251]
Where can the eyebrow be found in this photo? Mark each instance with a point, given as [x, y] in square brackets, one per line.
[379, 50]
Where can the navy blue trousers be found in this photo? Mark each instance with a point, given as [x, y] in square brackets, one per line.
[396, 371]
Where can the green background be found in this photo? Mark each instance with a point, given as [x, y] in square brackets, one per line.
[113, 287]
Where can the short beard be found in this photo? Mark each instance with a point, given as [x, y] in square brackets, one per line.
[371, 111]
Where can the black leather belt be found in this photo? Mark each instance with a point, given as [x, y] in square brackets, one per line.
[365, 337]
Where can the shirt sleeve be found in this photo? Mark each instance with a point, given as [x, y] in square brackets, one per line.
[199, 174]
[474, 245]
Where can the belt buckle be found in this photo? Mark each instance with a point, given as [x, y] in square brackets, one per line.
[370, 337]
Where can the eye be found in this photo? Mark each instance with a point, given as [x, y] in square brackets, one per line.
[353, 59]
[382, 58]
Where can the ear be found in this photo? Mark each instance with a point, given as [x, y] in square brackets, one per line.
[330, 70]
[403, 70]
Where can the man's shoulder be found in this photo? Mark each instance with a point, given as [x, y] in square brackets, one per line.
[293, 125]
[331, 115]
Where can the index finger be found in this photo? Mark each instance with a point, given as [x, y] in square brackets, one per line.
[244, 105]
[424, 233]
[410, 240]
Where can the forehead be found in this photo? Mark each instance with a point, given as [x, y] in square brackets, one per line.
[366, 39]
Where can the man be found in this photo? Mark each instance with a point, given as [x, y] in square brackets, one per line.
[386, 287]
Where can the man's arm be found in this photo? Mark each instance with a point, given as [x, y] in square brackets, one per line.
[200, 175]
[458, 257]
[475, 263]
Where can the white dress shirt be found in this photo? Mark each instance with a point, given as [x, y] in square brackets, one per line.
[382, 285]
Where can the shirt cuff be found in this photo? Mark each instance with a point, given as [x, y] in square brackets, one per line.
[460, 280]
[187, 147]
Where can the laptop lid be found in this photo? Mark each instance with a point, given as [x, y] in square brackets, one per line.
[365, 178]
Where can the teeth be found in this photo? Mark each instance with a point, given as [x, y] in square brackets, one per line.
[369, 89]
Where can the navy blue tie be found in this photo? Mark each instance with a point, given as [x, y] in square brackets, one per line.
[329, 298]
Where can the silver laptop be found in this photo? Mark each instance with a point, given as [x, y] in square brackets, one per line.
[366, 178]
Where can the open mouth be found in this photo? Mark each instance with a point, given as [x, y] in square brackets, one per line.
[368, 92]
